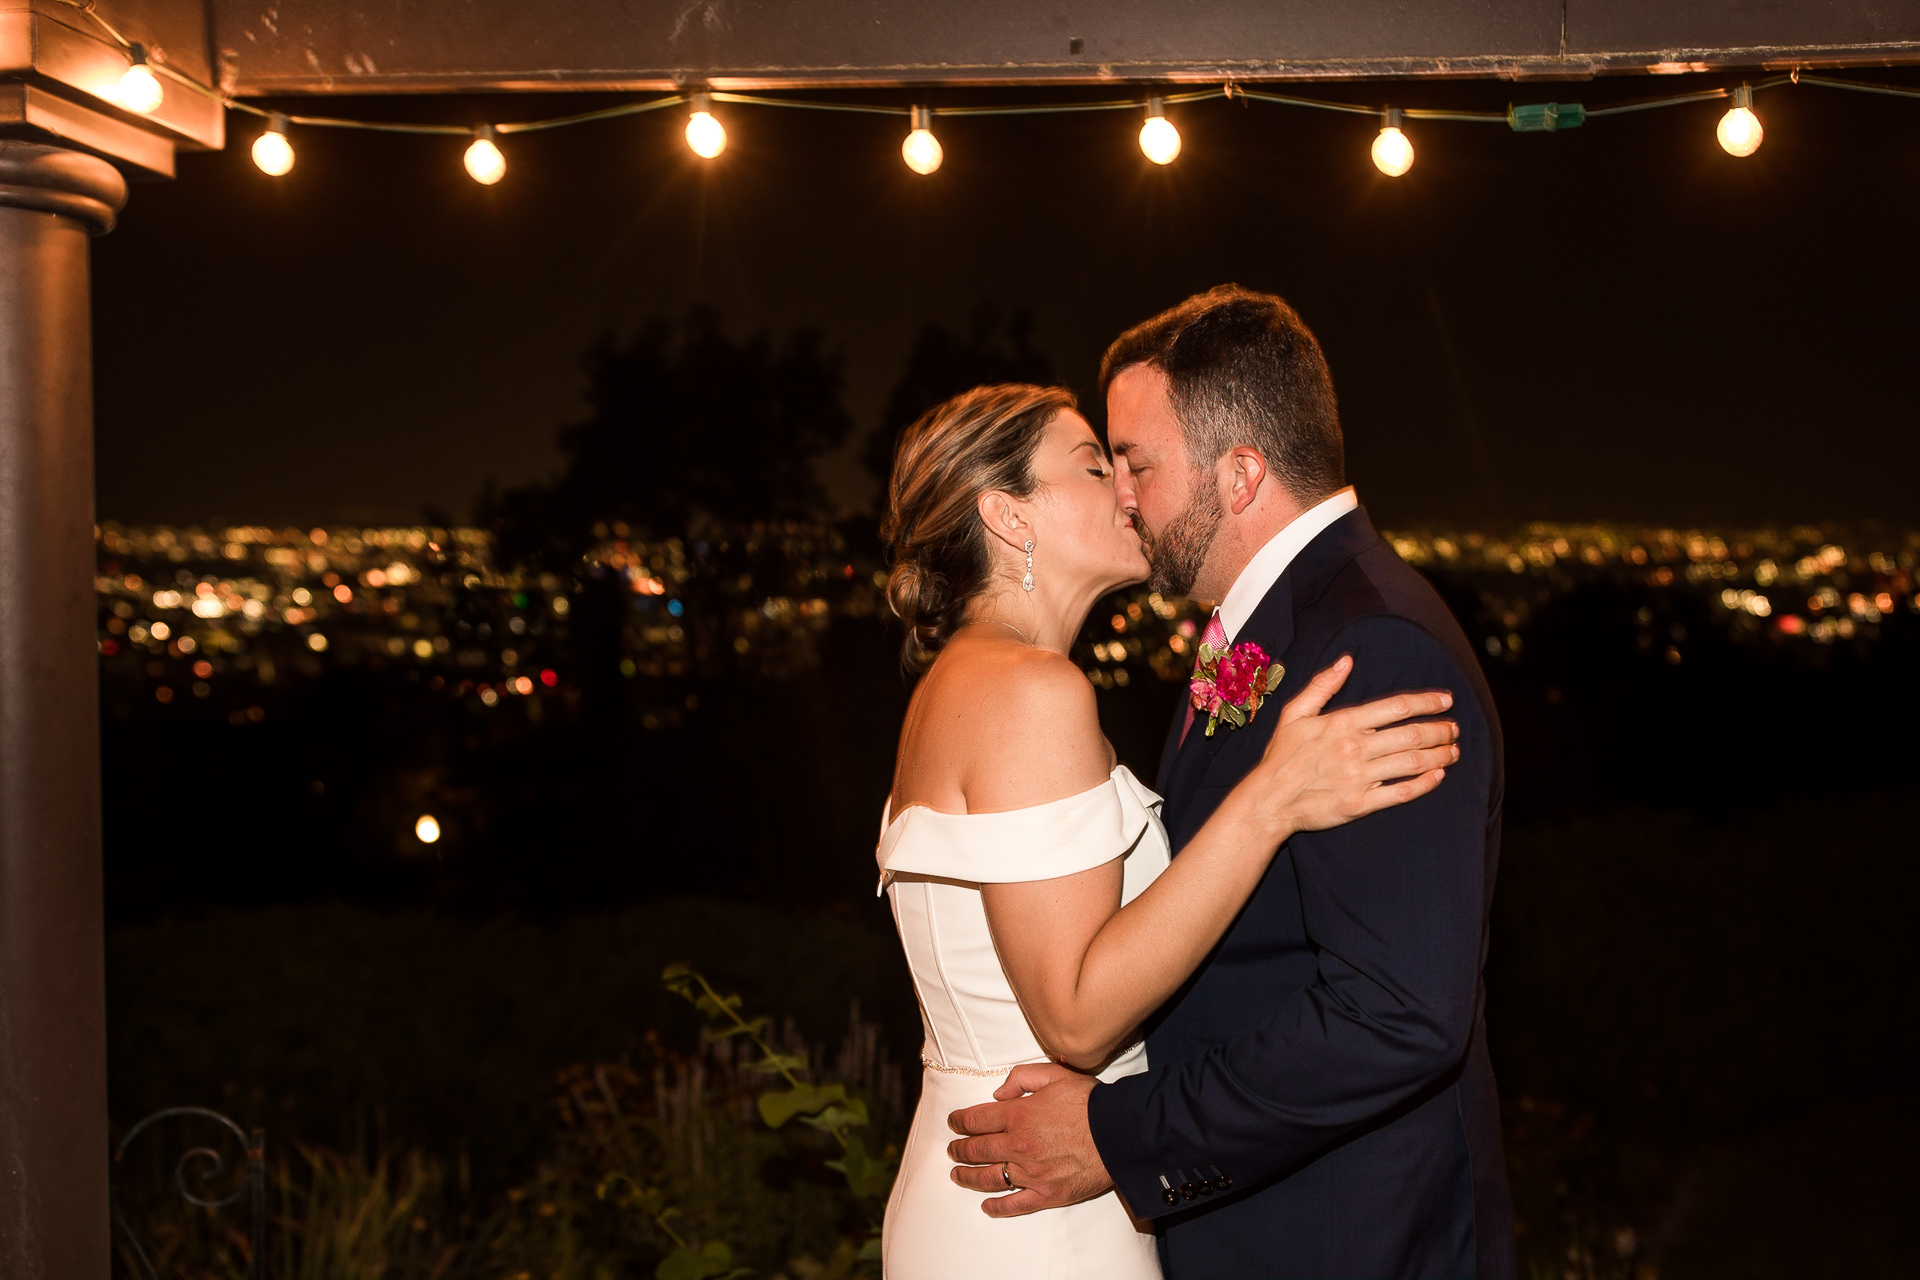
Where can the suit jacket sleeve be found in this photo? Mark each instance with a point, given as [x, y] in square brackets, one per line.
[1396, 904]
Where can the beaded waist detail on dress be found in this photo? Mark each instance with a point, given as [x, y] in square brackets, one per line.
[931, 1063]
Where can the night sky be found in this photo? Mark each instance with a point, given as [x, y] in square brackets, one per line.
[1619, 321]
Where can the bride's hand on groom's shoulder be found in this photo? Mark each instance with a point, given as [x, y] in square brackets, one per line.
[1323, 770]
[1033, 1140]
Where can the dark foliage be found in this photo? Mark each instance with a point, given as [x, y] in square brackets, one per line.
[997, 347]
[687, 425]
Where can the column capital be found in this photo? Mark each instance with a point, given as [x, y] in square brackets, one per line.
[56, 180]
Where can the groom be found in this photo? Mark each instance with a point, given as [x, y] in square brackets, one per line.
[1320, 1102]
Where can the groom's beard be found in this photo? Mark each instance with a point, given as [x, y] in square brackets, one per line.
[1175, 553]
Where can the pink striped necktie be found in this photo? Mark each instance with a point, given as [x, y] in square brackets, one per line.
[1215, 635]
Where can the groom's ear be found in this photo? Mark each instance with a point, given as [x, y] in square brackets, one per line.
[1003, 519]
[1246, 472]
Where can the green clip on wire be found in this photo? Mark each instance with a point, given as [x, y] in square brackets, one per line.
[1546, 117]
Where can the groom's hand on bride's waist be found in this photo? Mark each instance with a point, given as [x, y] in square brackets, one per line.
[1035, 1138]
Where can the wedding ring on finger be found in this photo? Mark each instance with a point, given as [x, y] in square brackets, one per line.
[1006, 1176]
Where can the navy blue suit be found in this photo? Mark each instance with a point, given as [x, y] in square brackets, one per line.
[1330, 1057]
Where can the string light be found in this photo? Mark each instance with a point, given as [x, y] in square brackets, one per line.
[1739, 130]
[1159, 140]
[707, 136]
[484, 162]
[1392, 153]
[922, 150]
[271, 150]
[139, 88]
[427, 829]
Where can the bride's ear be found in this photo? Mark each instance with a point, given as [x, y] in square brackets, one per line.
[1004, 519]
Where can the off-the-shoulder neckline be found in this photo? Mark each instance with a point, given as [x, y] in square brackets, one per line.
[892, 819]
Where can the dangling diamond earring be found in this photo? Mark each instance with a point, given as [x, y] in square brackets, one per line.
[1026, 583]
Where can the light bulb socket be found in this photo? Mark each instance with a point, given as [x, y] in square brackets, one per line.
[277, 123]
[922, 118]
[1391, 118]
[486, 133]
[137, 54]
[1156, 109]
[700, 100]
[1743, 96]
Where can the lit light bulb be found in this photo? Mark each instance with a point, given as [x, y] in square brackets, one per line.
[484, 161]
[1739, 130]
[1159, 140]
[427, 830]
[139, 88]
[707, 136]
[1392, 153]
[922, 150]
[271, 150]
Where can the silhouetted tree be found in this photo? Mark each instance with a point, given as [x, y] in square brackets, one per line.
[685, 423]
[997, 347]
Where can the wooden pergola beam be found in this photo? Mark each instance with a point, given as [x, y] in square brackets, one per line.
[269, 47]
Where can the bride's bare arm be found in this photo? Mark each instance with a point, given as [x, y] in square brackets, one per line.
[1086, 970]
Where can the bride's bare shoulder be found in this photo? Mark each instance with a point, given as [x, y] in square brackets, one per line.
[1022, 721]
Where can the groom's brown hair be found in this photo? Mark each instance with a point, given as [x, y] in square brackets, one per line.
[1243, 369]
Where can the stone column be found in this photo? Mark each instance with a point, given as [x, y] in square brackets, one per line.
[53, 1046]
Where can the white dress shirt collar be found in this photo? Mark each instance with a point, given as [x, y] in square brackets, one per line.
[1270, 561]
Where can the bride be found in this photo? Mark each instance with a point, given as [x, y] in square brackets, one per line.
[1028, 871]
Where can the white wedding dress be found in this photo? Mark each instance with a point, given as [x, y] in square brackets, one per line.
[932, 865]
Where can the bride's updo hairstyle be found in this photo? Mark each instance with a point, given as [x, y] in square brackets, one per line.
[936, 544]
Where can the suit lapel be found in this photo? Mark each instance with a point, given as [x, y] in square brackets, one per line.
[1271, 626]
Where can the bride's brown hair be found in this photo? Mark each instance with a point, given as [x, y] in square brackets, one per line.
[936, 544]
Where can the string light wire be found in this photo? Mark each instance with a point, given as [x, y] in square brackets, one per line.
[1511, 117]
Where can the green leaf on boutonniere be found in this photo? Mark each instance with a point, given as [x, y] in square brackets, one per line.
[1233, 715]
[1275, 674]
[1208, 654]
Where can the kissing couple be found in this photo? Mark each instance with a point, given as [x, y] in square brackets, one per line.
[1230, 1026]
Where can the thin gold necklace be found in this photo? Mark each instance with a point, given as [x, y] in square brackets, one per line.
[1009, 626]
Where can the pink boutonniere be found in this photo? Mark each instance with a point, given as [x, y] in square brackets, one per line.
[1230, 684]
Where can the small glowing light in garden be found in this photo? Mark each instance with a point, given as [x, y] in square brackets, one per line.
[423, 648]
[427, 829]
[707, 136]
[343, 593]
[161, 631]
[140, 89]
[1392, 153]
[1159, 140]
[921, 150]
[1739, 130]
[549, 677]
[317, 642]
[485, 164]
[271, 150]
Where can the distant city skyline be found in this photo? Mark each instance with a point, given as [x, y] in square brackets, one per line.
[223, 616]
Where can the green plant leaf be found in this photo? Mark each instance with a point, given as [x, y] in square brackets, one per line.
[777, 1106]
[1232, 715]
[712, 1259]
[774, 1063]
[1275, 674]
[852, 1112]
